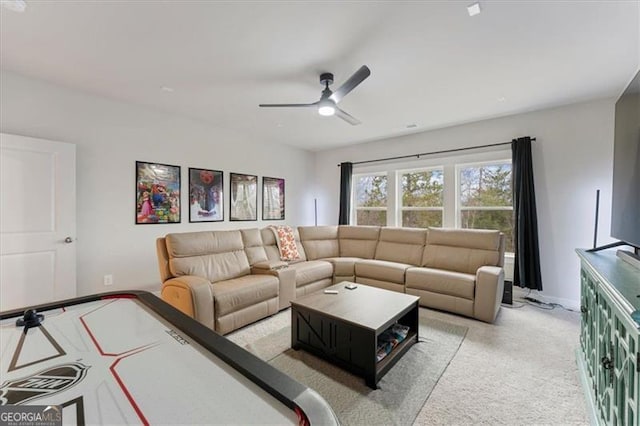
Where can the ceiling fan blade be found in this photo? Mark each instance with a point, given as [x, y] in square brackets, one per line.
[357, 78]
[347, 117]
[287, 105]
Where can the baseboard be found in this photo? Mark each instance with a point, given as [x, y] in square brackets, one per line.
[574, 305]
[519, 293]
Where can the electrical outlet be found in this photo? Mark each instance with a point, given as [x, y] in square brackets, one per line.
[108, 279]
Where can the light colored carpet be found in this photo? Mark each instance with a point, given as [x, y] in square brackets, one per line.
[520, 370]
[401, 392]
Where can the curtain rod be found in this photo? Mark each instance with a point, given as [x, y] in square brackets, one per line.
[432, 153]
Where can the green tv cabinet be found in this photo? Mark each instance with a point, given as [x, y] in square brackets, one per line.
[609, 357]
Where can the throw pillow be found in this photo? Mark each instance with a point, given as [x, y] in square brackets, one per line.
[286, 242]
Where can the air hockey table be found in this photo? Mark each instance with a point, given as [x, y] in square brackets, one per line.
[130, 358]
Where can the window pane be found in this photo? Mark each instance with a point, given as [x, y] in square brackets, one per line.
[421, 219]
[422, 189]
[490, 219]
[371, 191]
[372, 217]
[487, 185]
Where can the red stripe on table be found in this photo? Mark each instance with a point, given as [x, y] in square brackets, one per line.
[95, 340]
[132, 401]
[302, 417]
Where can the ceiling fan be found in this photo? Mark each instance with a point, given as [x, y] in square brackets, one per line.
[328, 103]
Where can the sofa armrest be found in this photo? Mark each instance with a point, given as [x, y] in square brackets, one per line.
[268, 265]
[286, 280]
[489, 289]
[192, 295]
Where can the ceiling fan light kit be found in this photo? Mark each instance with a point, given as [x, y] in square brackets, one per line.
[326, 108]
[327, 105]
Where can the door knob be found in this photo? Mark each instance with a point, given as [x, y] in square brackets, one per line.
[68, 240]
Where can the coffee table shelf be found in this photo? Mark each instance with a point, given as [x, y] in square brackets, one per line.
[344, 328]
[387, 362]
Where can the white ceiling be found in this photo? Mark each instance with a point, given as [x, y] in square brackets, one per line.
[431, 64]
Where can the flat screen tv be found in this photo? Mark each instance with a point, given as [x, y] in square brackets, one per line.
[625, 208]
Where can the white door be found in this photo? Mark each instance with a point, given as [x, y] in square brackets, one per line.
[37, 221]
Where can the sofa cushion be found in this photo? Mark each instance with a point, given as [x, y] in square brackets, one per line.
[461, 250]
[385, 285]
[484, 239]
[188, 244]
[235, 294]
[320, 241]
[311, 271]
[403, 245]
[343, 266]
[271, 247]
[444, 282]
[215, 255]
[381, 270]
[358, 241]
[253, 246]
[313, 287]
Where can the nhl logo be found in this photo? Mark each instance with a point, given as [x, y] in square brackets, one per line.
[44, 383]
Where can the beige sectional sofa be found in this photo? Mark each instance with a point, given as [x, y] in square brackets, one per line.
[228, 279]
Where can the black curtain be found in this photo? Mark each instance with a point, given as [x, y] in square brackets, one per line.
[526, 271]
[346, 169]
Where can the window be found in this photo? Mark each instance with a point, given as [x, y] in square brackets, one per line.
[461, 191]
[421, 202]
[371, 199]
[485, 198]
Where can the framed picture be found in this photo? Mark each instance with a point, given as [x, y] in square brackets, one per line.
[157, 193]
[272, 198]
[205, 195]
[243, 197]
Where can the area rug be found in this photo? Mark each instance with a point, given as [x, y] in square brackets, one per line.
[401, 392]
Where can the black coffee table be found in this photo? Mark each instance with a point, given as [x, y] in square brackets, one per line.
[344, 328]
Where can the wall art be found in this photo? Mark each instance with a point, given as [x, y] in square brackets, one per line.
[243, 197]
[205, 195]
[272, 198]
[157, 193]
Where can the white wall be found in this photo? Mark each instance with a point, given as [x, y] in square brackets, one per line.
[110, 136]
[572, 157]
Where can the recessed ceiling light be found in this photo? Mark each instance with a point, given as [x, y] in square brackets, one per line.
[474, 9]
[501, 99]
[279, 125]
[166, 89]
[14, 5]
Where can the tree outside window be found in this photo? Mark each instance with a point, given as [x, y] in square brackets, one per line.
[371, 199]
[422, 198]
[485, 198]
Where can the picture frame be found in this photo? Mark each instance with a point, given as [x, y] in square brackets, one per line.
[157, 193]
[243, 197]
[273, 198]
[206, 190]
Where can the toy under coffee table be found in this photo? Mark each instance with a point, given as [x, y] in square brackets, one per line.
[345, 327]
